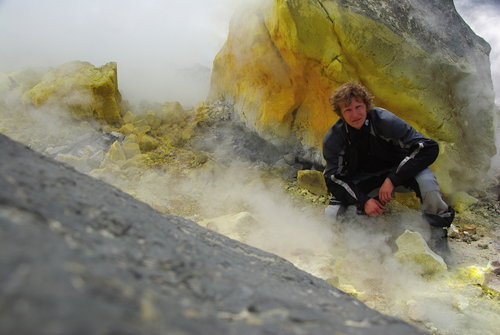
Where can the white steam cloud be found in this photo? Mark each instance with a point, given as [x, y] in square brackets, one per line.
[483, 17]
[164, 49]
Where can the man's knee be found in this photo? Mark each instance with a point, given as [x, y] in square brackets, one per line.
[433, 203]
[427, 181]
[435, 210]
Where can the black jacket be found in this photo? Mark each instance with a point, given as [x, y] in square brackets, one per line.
[384, 145]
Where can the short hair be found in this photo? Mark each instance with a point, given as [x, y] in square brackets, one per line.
[344, 94]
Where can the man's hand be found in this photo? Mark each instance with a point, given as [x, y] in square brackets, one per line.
[385, 192]
[374, 207]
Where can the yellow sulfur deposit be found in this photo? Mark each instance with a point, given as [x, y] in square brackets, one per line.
[349, 289]
[413, 249]
[473, 274]
[148, 143]
[115, 153]
[313, 181]
[408, 199]
[131, 149]
[461, 201]
[83, 89]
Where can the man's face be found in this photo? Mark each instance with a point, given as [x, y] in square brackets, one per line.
[355, 113]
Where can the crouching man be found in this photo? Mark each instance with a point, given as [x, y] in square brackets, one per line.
[371, 153]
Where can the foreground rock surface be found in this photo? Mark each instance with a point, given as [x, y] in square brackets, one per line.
[78, 256]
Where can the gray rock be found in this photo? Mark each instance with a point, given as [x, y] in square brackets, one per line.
[78, 256]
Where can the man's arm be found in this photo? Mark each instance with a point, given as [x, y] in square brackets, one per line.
[373, 207]
[386, 190]
[422, 150]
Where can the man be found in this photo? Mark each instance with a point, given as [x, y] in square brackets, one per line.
[370, 153]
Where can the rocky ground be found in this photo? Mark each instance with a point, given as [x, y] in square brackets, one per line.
[474, 236]
[476, 232]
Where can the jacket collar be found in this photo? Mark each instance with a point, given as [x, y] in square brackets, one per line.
[364, 128]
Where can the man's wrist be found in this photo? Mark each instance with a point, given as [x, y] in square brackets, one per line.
[396, 181]
[362, 203]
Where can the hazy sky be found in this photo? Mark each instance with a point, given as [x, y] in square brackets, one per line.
[483, 16]
[164, 48]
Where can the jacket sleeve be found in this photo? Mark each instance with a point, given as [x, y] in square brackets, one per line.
[422, 151]
[334, 153]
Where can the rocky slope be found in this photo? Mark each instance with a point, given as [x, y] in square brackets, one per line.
[79, 256]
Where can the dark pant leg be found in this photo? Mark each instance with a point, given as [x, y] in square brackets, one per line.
[339, 194]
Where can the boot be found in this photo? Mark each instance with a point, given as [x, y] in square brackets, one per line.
[442, 220]
[439, 232]
[439, 242]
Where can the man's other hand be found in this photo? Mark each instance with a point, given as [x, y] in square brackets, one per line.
[385, 192]
[374, 207]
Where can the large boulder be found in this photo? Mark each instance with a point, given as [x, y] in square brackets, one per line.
[78, 256]
[83, 89]
[282, 61]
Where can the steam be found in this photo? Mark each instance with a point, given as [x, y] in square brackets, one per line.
[164, 49]
[483, 17]
[358, 254]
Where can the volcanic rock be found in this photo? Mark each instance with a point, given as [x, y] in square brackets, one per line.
[413, 249]
[87, 91]
[313, 181]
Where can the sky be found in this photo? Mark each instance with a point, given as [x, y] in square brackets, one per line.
[483, 17]
[164, 48]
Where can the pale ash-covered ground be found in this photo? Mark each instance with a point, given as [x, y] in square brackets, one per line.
[208, 176]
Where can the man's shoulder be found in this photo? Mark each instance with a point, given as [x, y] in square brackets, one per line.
[335, 132]
[380, 114]
[384, 118]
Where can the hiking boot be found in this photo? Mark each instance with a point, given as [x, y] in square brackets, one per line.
[439, 232]
[439, 243]
[442, 220]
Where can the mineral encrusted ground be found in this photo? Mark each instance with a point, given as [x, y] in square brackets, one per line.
[78, 256]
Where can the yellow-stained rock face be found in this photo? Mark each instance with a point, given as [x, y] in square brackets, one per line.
[87, 91]
[282, 61]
